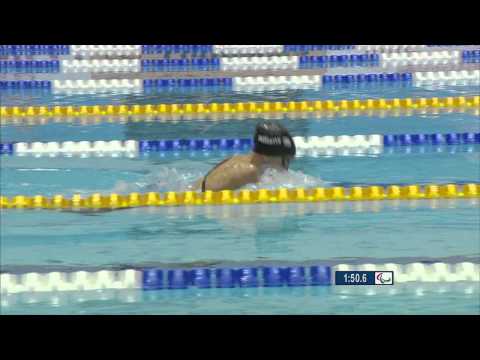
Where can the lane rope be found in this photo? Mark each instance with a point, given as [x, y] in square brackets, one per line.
[265, 276]
[122, 50]
[255, 63]
[243, 107]
[304, 145]
[228, 197]
[314, 152]
[175, 118]
[247, 83]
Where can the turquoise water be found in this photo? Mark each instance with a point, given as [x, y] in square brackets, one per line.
[211, 236]
[441, 299]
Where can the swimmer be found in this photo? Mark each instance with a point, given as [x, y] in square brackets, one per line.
[273, 148]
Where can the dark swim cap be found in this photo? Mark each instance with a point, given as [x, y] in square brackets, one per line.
[273, 139]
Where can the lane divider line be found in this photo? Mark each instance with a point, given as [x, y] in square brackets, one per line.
[248, 83]
[265, 276]
[174, 118]
[243, 107]
[229, 197]
[303, 144]
[248, 63]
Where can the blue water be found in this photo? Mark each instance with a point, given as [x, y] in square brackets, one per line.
[24, 97]
[210, 236]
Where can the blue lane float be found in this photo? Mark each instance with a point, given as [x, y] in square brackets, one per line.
[471, 54]
[268, 276]
[195, 144]
[197, 82]
[29, 50]
[26, 66]
[6, 149]
[177, 49]
[431, 139]
[367, 78]
[212, 64]
[152, 279]
[25, 84]
[178, 279]
[306, 48]
[339, 59]
[200, 278]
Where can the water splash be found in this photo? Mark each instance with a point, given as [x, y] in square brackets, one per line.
[173, 179]
[164, 179]
[273, 179]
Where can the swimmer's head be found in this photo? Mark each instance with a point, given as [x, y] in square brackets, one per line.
[272, 139]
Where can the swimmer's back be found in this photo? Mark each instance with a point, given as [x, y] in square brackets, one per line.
[231, 174]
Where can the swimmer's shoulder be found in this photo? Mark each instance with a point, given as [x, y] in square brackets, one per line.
[241, 163]
[245, 172]
[234, 174]
[242, 160]
[236, 163]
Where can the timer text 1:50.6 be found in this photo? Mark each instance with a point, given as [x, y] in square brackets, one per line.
[354, 278]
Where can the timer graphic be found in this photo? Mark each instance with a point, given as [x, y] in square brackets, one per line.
[363, 277]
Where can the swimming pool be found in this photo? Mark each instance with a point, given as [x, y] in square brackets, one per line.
[259, 236]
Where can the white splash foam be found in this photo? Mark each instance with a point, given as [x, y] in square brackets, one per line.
[172, 179]
[273, 179]
[164, 179]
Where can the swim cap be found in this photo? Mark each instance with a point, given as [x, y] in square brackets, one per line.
[273, 139]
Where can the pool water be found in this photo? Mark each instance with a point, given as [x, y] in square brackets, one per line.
[461, 299]
[373, 232]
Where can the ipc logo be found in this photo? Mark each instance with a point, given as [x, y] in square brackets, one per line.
[383, 277]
